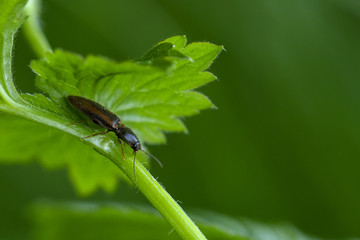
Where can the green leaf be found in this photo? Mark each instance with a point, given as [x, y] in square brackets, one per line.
[61, 74]
[178, 42]
[23, 141]
[113, 221]
[202, 53]
[165, 52]
[162, 50]
[149, 99]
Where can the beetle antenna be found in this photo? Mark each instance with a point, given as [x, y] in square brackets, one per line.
[157, 160]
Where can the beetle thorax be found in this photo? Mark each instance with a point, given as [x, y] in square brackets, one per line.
[128, 136]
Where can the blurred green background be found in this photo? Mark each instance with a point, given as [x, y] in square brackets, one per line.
[284, 143]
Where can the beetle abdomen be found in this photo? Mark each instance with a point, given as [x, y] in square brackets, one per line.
[96, 112]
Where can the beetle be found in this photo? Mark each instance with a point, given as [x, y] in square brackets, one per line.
[111, 122]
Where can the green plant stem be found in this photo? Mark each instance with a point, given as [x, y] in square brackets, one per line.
[8, 91]
[33, 31]
[146, 183]
[161, 200]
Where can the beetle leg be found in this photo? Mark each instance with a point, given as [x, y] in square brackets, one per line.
[122, 148]
[96, 134]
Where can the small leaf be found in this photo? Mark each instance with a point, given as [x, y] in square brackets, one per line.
[202, 53]
[178, 42]
[165, 49]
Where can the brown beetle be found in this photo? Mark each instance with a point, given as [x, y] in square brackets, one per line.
[107, 119]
